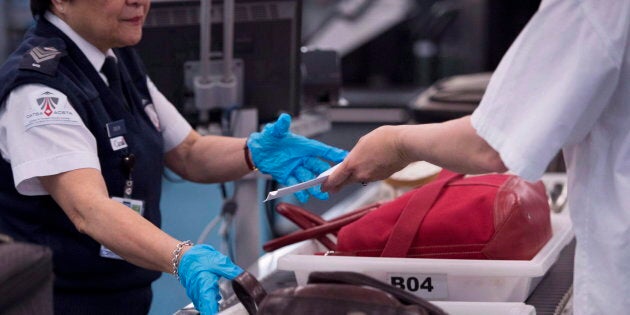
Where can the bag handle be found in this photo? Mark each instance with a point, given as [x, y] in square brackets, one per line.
[305, 220]
[249, 291]
[413, 215]
[353, 278]
[331, 226]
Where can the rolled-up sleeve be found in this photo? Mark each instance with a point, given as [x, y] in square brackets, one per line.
[43, 147]
[552, 85]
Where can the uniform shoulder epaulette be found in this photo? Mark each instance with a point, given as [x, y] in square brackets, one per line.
[44, 59]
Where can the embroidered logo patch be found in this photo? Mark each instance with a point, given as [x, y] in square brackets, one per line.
[49, 107]
[47, 103]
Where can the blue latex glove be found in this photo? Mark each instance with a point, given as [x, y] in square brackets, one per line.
[199, 270]
[290, 158]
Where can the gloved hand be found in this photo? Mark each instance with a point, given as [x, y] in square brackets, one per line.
[290, 158]
[199, 271]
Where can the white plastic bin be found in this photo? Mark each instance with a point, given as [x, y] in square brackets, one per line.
[443, 279]
[452, 308]
[486, 308]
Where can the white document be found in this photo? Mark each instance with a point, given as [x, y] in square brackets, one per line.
[301, 186]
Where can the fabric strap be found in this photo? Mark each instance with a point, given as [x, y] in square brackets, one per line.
[305, 220]
[412, 216]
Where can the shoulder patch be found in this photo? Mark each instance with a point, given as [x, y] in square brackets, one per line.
[44, 59]
[47, 107]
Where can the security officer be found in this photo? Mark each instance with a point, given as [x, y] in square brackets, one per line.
[84, 137]
[562, 85]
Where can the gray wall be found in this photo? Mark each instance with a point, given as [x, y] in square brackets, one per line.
[15, 18]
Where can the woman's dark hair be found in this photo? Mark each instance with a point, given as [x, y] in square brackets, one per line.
[39, 7]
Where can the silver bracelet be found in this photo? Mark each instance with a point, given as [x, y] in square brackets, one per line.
[176, 255]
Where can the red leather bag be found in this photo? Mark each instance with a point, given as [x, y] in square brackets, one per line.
[495, 216]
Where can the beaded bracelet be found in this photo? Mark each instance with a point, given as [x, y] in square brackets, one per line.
[176, 253]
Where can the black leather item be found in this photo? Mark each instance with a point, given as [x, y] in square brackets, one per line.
[26, 279]
[249, 291]
[332, 293]
[111, 71]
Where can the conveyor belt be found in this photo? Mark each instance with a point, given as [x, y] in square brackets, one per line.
[548, 297]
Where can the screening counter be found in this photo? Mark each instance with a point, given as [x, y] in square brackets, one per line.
[543, 285]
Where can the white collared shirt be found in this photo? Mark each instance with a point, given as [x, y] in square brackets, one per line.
[565, 84]
[36, 150]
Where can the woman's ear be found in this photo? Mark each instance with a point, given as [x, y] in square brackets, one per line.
[58, 5]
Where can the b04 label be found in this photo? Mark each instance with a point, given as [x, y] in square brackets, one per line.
[428, 286]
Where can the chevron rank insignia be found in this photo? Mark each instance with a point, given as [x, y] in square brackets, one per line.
[42, 59]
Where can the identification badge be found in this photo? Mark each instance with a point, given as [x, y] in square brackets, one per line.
[118, 143]
[428, 286]
[135, 205]
[116, 128]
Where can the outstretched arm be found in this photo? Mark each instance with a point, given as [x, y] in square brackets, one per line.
[287, 157]
[208, 159]
[453, 144]
[84, 198]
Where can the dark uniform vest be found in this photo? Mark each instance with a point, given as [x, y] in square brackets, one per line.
[49, 57]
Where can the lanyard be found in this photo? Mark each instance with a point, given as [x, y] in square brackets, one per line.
[129, 161]
[116, 131]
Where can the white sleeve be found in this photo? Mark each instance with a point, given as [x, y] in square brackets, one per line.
[174, 126]
[41, 134]
[553, 83]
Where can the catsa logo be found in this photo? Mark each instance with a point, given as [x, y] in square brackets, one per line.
[47, 103]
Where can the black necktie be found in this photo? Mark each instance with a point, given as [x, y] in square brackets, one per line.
[110, 70]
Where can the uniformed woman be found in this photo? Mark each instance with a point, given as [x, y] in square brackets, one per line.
[84, 138]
